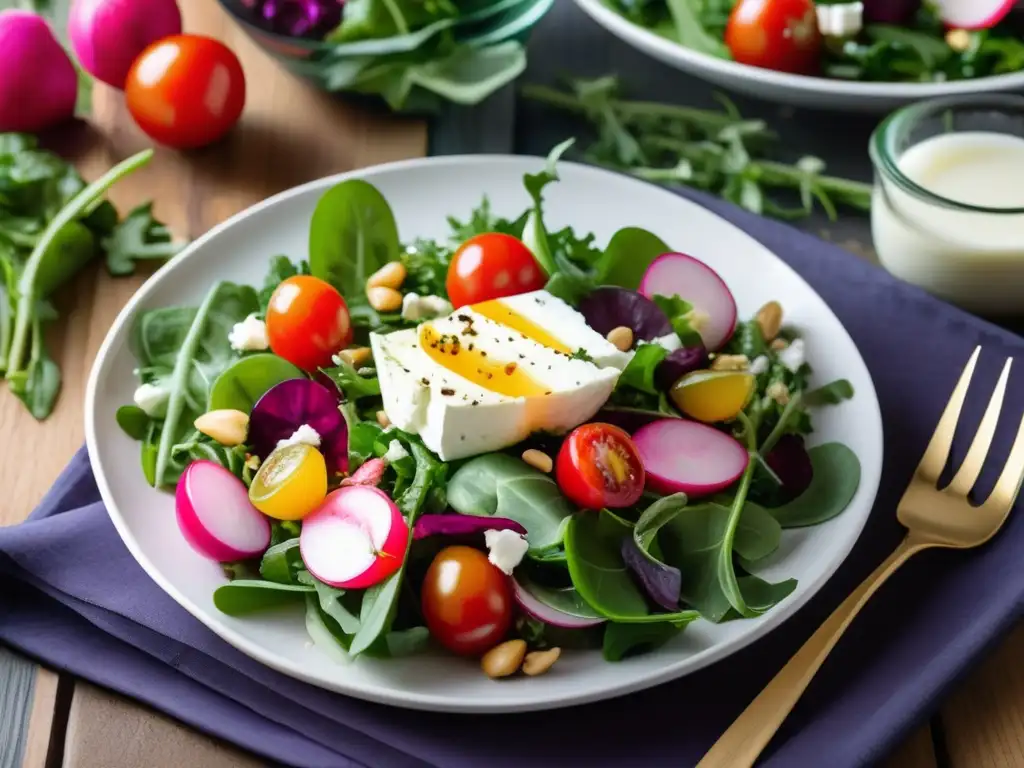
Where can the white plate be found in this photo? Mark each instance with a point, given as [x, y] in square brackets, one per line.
[422, 193]
[785, 88]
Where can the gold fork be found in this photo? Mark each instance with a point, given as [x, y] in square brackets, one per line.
[933, 517]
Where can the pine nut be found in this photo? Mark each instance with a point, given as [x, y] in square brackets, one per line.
[504, 659]
[226, 426]
[357, 357]
[769, 317]
[730, 363]
[384, 299]
[391, 275]
[621, 338]
[383, 420]
[779, 344]
[538, 460]
[539, 662]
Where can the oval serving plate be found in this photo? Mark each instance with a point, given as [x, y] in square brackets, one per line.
[422, 194]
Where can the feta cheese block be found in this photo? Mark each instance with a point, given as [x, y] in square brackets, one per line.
[488, 375]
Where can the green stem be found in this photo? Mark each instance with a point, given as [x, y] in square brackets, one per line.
[726, 571]
[780, 426]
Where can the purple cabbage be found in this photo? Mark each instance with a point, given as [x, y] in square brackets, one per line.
[679, 363]
[791, 463]
[661, 582]
[610, 307]
[899, 12]
[310, 19]
[287, 406]
[462, 525]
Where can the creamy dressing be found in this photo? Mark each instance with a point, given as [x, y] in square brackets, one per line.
[972, 258]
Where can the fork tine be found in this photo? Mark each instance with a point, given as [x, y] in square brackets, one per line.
[934, 459]
[968, 473]
[1008, 485]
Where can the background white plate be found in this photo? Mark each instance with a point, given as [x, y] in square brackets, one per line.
[422, 193]
[785, 88]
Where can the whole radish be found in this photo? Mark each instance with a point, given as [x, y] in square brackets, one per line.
[38, 81]
[108, 35]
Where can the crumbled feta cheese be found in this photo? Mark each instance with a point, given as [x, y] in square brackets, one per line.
[250, 335]
[303, 435]
[671, 342]
[152, 399]
[416, 307]
[505, 549]
[759, 365]
[842, 20]
[793, 356]
[336, 360]
[396, 452]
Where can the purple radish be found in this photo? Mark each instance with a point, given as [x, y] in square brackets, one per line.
[216, 516]
[355, 539]
[973, 14]
[688, 456]
[676, 274]
[581, 617]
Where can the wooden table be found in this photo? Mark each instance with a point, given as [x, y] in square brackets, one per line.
[291, 134]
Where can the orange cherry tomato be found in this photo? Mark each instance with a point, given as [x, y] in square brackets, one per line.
[307, 322]
[466, 601]
[775, 34]
[599, 466]
[490, 266]
[186, 91]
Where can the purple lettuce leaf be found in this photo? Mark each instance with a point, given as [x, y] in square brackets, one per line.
[680, 362]
[791, 463]
[661, 582]
[610, 307]
[461, 525]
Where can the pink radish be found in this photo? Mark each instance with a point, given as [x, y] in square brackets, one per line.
[688, 456]
[355, 539]
[676, 274]
[973, 14]
[38, 82]
[216, 516]
[581, 618]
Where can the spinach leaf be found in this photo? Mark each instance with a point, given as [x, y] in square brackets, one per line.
[564, 599]
[833, 485]
[640, 371]
[247, 380]
[38, 385]
[133, 420]
[832, 393]
[593, 545]
[138, 237]
[535, 236]
[281, 562]
[352, 234]
[691, 32]
[496, 484]
[324, 631]
[244, 596]
[624, 640]
[627, 256]
[331, 603]
[73, 246]
[407, 642]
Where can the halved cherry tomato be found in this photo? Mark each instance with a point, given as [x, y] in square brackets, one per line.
[775, 34]
[599, 466]
[186, 91]
[466, 601]
[307, 322]
[490, 266]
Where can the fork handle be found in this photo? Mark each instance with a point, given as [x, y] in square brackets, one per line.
[747, 737]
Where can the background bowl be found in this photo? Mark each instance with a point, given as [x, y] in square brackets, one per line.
[796, 90]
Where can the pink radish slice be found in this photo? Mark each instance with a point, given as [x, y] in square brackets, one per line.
[216, 516]
[973, 14]
[356, 538]
[676, 274]
[688, 456]
[549, 614]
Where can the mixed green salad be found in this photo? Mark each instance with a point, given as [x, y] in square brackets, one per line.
[874, 40]
[506, 443]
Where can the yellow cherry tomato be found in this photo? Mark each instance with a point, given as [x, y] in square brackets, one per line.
[291, 483]
[712, 396]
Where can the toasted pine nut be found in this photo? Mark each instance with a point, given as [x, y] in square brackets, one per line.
[383, 420]
[539, 662]
[503, 659]
[958, 39]
[778, 392]
[779, 344]
[357, 357]
[226, 426]
[384, 299]
[538, 460]
[621, 338]
[730, 363]
[391, 275]
[769, 317]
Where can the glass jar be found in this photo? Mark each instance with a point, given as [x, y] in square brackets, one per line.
[948, 207]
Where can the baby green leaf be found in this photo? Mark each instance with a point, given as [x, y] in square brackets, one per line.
[833, 485]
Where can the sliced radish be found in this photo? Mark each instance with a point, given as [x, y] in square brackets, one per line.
[688, 456]
[216, 516]
[355, 539]
[557, 607]
[973, 14]
[676, 274]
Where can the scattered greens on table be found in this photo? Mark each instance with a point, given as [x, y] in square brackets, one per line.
[52, 225]
[635, 576]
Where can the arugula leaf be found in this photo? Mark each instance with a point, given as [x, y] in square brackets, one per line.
[640, 370]
[138, 237]
[681, 314]
[832, 393]
[352, 383]
[535, 236]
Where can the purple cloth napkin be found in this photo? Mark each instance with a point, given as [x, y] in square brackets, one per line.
[73, 597]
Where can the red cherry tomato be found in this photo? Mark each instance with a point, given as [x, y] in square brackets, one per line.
[599, 466]
[466, 601]
[307, 322]
[186, 91]
[775, 34]
[491, 266]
